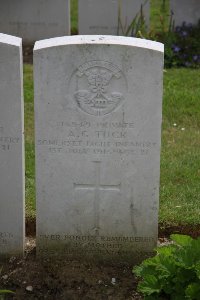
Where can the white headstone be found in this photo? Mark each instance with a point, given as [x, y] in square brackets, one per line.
[35, 19]
[11, 147]
[102, 16]
[185, 11]
[98, 103]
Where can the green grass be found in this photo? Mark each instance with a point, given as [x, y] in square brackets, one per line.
[74, 16]
[159, 15]
[29, 141]
[180, 157]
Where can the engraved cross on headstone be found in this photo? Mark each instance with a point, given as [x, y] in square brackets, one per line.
[97, 187]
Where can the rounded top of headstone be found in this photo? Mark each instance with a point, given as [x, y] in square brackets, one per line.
[10, 40]
[99, 40]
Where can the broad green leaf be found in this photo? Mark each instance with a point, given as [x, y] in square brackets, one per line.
[166, 250]
[138, 271]
[187, 257]
[149, 285]
[173, 271]
[183, 277]
[145, 271]
[177, 296]
[197, 269]
[180, 239]
[167, 266]
[180, 284]
[167, 286]
[152, 297]
[193, 291]
[195, 249]
[151, 261]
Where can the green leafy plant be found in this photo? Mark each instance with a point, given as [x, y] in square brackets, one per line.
[186, 46]
[174, 273]
[182, 47]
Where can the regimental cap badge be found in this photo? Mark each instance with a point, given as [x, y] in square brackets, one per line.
[97, 87]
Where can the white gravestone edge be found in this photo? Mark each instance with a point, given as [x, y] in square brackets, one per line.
[99, 39]
[10, 40]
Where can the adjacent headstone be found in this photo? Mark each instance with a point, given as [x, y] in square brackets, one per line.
[11, 147]
[35, 19]
[185, 11]
[102, 16]
[98, 110]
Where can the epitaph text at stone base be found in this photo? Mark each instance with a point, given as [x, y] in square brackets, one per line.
[98, 110]
[12, 229]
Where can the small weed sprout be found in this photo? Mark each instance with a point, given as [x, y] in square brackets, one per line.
[4, 292]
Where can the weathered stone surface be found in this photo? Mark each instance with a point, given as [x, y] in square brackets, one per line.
[34, 20]
[185, 11]
[11, 147]
[102, 17]
[98, 122]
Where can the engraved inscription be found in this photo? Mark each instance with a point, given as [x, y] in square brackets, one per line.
[90, 238]
[6, 142]
[99, 146]
[101, 137]
[97, 187]
[36, 24]
[5, 237]
[73, 244]
[103, 125]
[96, 85]
[101, 27]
